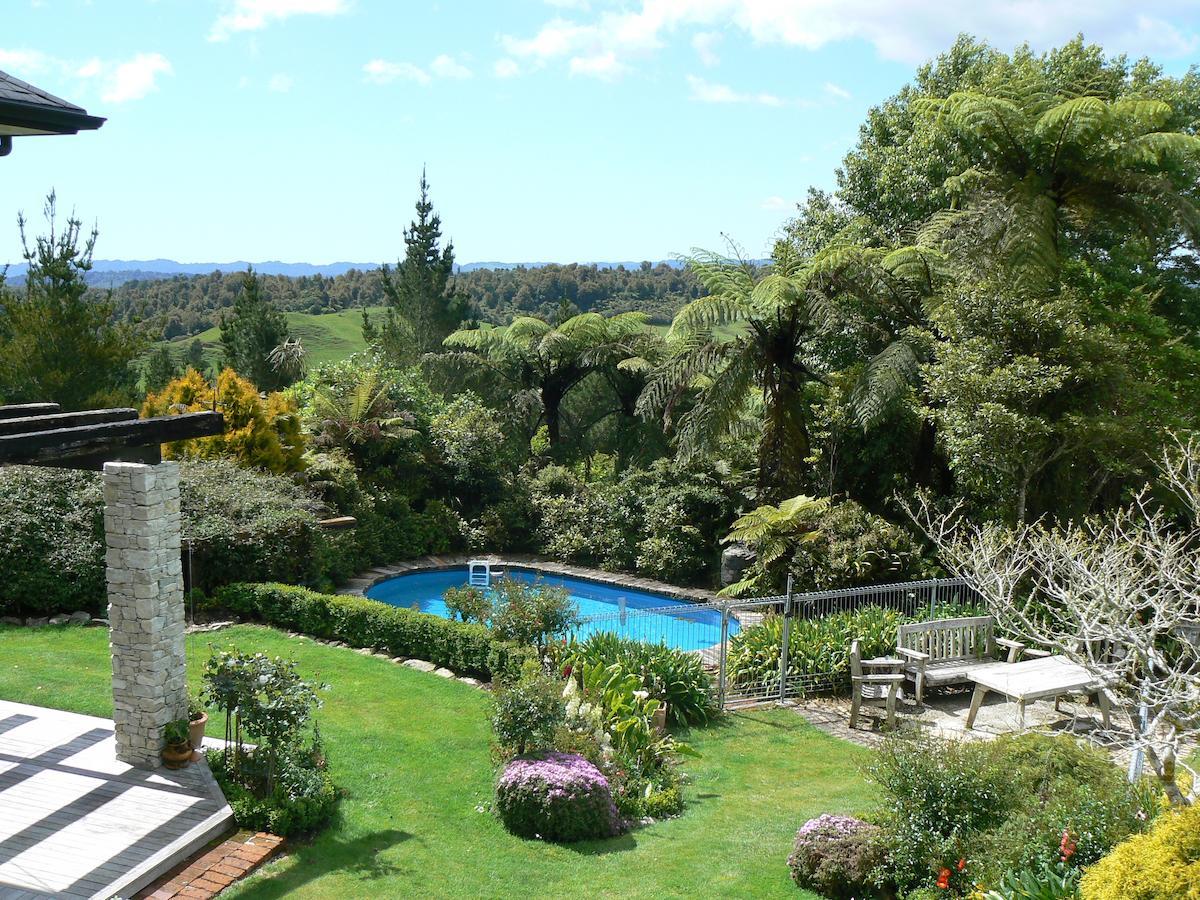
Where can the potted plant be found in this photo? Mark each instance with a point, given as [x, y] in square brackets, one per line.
[197, 719]
[177, 751]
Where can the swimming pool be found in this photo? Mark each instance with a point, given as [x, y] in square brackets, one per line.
[676, 623]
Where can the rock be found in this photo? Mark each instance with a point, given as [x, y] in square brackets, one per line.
[34, 622]
[367, 651]
[473, 682]
[420, 665]
[100, 620]
[735, 559]
[11, 620]
[379, 655]
[397, 659]
[443, 672]
[80, 617]
[60, 619]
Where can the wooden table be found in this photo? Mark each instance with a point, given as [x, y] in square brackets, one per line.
[1034, 679]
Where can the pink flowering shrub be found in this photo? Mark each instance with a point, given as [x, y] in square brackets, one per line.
[837, 856]
[556, 797]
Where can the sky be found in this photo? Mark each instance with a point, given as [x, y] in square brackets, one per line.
[551, 130]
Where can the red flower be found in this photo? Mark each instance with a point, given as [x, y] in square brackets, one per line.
[943, 878]
[566, 671]
[1066, 847]
[962, 864]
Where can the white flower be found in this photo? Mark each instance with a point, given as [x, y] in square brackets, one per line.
[641, 695]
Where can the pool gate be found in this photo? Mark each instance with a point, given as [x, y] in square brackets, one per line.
[721, 627]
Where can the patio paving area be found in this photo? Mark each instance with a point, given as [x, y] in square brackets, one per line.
[945, 715]
[75, 822]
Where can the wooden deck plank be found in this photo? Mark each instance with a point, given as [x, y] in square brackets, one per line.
[79, 823]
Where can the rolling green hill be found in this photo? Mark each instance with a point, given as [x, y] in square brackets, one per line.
[328, 337]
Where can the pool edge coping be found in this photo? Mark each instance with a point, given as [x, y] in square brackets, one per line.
[364, 581]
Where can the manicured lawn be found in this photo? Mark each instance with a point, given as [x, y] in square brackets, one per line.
[411, 750]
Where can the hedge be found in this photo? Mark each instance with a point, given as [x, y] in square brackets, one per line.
[467, 648]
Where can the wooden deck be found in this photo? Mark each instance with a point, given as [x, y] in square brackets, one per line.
[75, 822]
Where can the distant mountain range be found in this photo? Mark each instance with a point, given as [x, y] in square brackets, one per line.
[114, 272]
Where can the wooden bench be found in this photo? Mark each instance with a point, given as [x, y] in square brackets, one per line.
[944, 651]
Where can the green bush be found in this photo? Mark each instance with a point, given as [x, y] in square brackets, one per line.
[816, 647]
[467, 648]
[304, 799]
[1019, 804]
[51, 541]
[672, 676]
[1163, 862]
[527, 713]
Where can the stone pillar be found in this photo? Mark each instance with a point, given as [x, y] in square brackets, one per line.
[145, 605]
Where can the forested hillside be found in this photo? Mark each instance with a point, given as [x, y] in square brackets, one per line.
[189, 304]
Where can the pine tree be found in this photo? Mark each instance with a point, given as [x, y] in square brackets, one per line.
[420, 291]
[160, 369]
[195, 355]
[58, 342]
[248, 336]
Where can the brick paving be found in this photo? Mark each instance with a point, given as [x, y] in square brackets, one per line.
[209, 874]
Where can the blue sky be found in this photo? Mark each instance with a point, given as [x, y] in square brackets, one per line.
[563, 130]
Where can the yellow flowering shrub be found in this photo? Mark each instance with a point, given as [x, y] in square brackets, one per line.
[1164, 862]
[261, 433]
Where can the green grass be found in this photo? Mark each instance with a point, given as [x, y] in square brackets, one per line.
[411, 750]
[328, 337]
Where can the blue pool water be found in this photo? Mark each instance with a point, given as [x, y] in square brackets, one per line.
[675, 623]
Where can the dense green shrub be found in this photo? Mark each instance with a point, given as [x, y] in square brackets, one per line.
[855, 547]
[815, 646]
[280, 784]
[527, 713]
[531, 613]
[51, 541]
[663, 521]
[468, 649]
[838, 856]
[241, 521]
[1020, 804]
[556, 797]
[1163, 862]
[673, 676]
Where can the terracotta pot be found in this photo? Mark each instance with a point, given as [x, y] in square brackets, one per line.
[176, 756]
[196, 731]
[660, 718]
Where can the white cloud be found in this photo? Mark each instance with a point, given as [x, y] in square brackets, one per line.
[703, 43]
[253, 15]
[506, 68]
[836, 90]
[25, 62]
[380, 71]
[132, 79]
[448, 67]
[605, 66]
[774, 203]
[711, 92]
[280, 83]
[907, 32]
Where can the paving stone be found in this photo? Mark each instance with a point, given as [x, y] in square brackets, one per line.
[443, 672]
[420, 665]
[473, 682]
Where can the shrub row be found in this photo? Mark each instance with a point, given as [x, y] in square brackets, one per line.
[467, 648]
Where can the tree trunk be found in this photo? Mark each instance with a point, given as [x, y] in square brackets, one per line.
[551, 412]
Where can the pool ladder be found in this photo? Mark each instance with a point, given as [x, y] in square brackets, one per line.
[479, 573]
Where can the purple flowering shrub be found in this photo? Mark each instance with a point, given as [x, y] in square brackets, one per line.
[556, 797]
[838, 856]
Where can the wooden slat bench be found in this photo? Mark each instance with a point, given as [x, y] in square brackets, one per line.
[944, 651]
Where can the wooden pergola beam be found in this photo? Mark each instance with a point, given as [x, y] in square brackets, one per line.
[71, 446]
[30, 424]
[26, 410]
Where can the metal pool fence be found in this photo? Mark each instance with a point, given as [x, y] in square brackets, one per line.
[710, 629]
